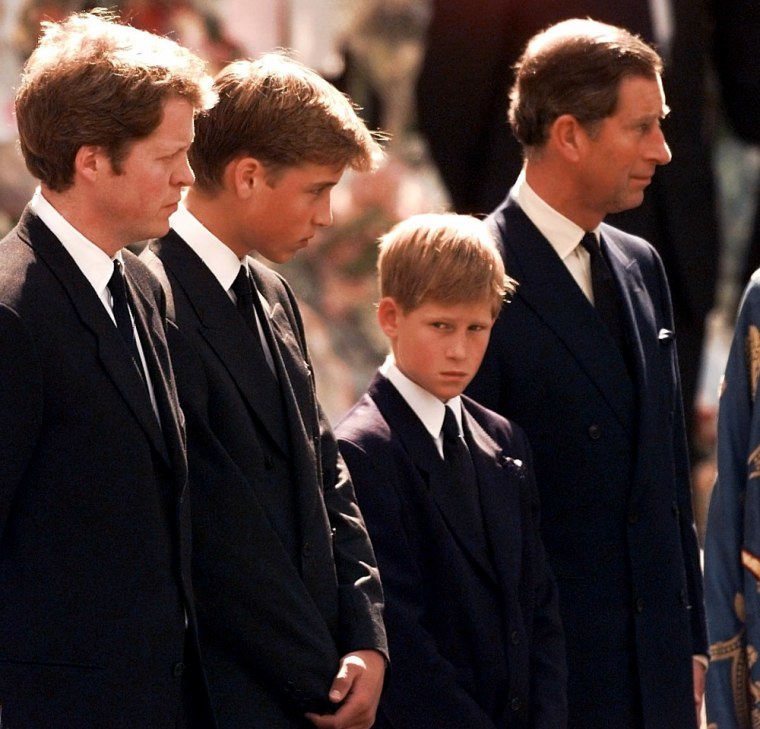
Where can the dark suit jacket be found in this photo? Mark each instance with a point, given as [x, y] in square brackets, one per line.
[612, 471]
[284, 571]
[94, 548]
[475, 642]
[462, 107]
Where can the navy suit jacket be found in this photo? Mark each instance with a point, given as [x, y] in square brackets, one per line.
[475, 642]
[94, 530]
[612, 471]
[284, 572]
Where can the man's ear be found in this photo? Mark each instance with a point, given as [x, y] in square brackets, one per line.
[567, 136]
[90, 160]
[388, 312]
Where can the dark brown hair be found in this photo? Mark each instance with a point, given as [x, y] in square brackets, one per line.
[94, 81]
[283, 114]
[574, 67]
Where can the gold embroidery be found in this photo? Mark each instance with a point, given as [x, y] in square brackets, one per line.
[752, 351]
[752, 563]
[746, 693]
[754, 462]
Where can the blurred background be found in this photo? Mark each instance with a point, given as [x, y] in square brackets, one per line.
[434, 75]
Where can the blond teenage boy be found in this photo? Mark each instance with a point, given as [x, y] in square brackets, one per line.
[447, 491]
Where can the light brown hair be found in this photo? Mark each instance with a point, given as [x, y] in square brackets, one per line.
[283, 114]
[574, 67]
[442, 257]
[93, 81]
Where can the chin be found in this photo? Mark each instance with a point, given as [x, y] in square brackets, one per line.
[282, 257]
[156, 230]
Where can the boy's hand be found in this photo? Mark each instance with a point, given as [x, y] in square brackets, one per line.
[357, 684]
[699, 687]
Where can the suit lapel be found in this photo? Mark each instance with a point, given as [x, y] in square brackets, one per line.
[298, 398]
[498, 477]
[549, 291]
[217, 318]
[636, 304]
[290, 362]
[288, 353]
[155, 350]
[421, 449]
[112, 351]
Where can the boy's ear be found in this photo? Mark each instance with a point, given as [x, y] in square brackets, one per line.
[244, 174]
[387, 316]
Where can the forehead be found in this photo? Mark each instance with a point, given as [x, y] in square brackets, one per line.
[641, 96]
[176, 128]
[308, 174]
[470, 309]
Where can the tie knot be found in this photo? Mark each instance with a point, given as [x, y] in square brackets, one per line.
[450, 427]
[116, 283]
[590, 243]
[242, 286]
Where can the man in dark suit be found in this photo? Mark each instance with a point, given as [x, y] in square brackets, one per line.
[289, 600]
[96, 617]
[471, 608]
[462, 103]
[595, 381]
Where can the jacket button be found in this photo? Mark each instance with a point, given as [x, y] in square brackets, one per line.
[515, 637]
[639, 605]
[306, 549]
[594, 432]
[178, 669]
[516, 703]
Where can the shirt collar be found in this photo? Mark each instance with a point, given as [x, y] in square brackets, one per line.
[219, 258]
[561, 232]
[94, 262]
[428, 408]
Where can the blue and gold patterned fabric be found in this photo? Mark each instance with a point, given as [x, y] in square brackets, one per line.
[732, 543]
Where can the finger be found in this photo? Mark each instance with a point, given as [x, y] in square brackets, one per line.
[341, 684]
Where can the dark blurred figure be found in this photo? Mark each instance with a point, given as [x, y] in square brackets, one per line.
[462, 108]
[737, 38]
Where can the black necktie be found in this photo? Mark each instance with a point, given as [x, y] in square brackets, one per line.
[120, 307]
[605, 293]
[246, 296]
[462, 479]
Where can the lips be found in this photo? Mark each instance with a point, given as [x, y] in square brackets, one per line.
[644, 180]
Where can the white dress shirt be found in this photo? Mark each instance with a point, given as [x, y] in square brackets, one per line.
[561, 232]
[220, 260]
[428, 408]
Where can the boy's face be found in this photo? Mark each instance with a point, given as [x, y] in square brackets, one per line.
[438, 346]
[285, 212]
